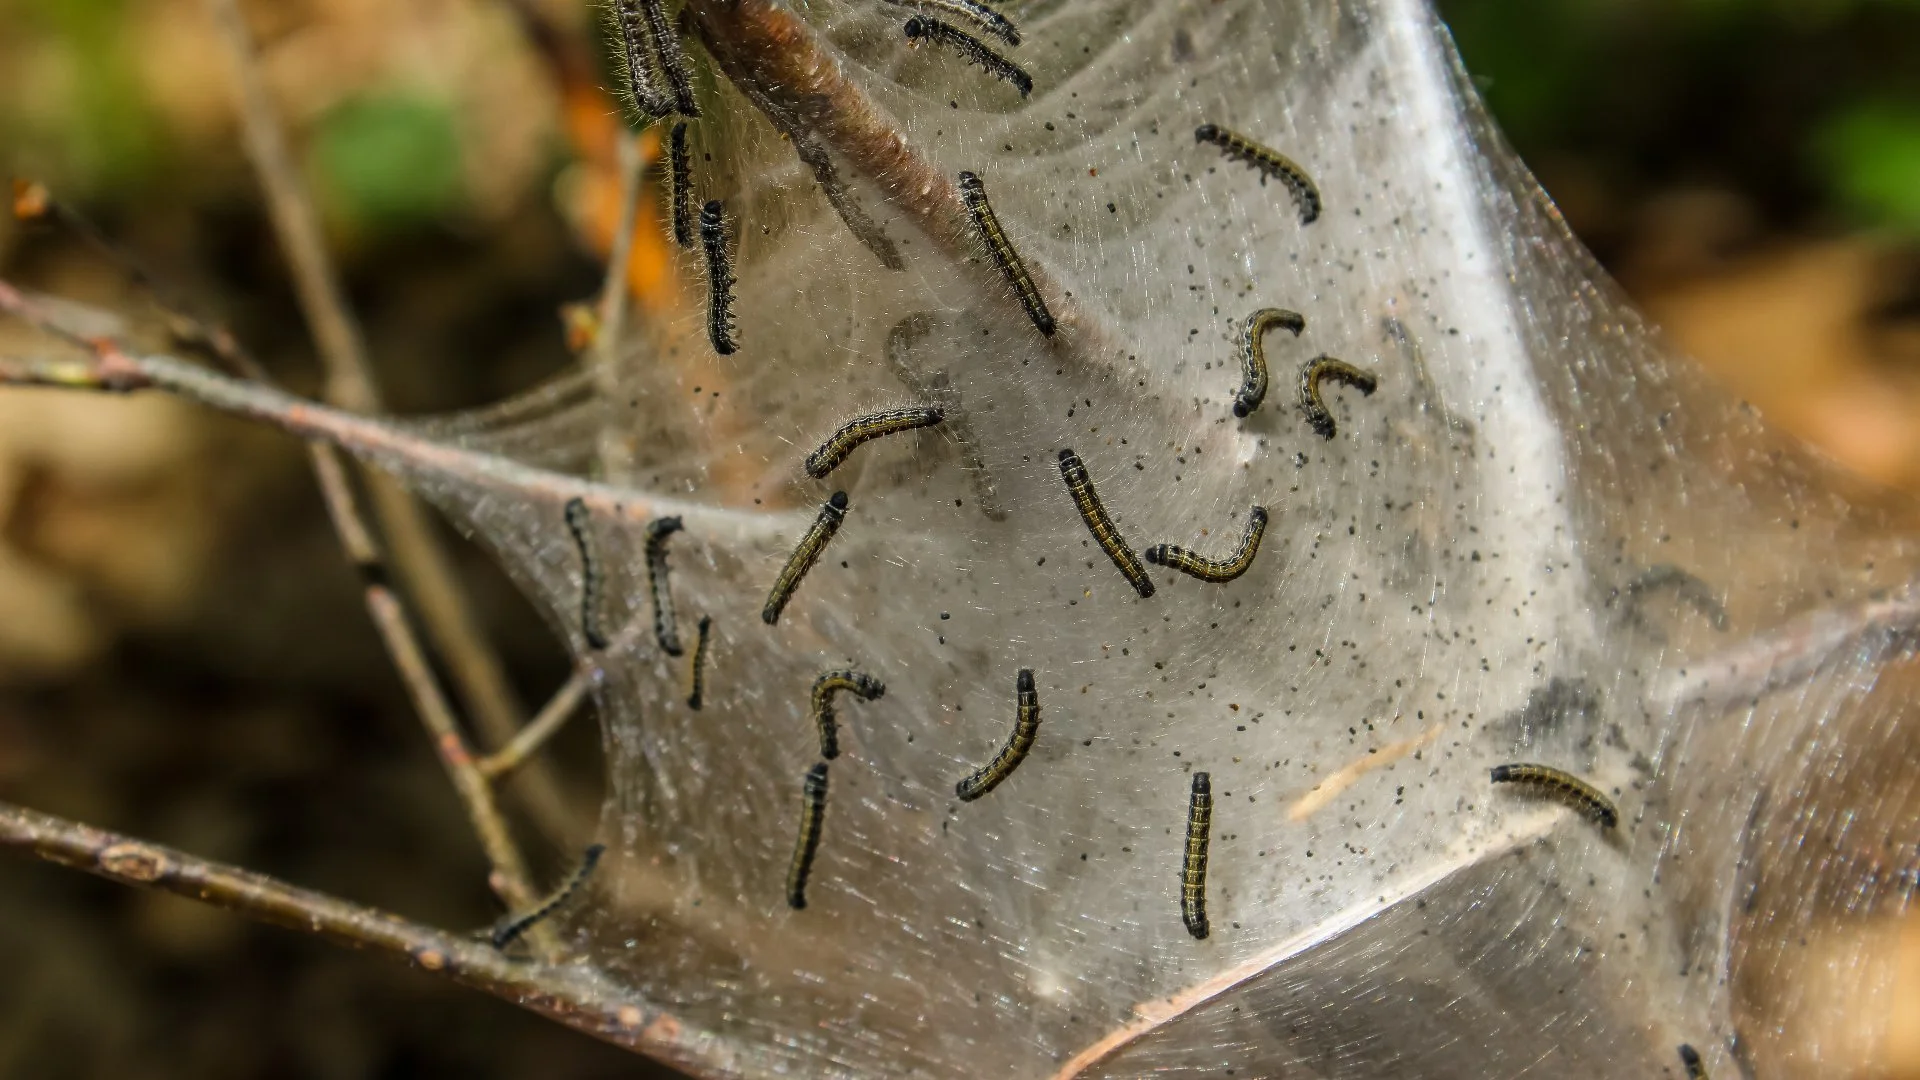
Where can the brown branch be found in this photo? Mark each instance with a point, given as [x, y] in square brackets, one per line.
[422, 560]
[568, 993]
[554, 716]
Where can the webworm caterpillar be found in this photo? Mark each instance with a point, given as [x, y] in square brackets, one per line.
[672, 59]
[639, 77]
[865, 687]
[1253, 355]
[1690, 1060]
[974, 194]
[805, 555]
[1026, 725]
[813, 812]
[698, 695]
[925, 28]
[1100, 525]
[1326, 367]
[508, 930]
[665, 628]
[1215, 570]
[1268, 163]
[680, 186]
[866, 428]
[1563, 786]
[578, 518]
[974, 12]
[720, 279]
[1193, 871]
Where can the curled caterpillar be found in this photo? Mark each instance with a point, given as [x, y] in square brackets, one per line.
[680, 185]
[1690, 1060]
[697, 696]
[1253, 355]
[974, 12]
[1564, 786]
[1215, 570]
[1193, 869]
[665, 629]
[804, 556]
[720, 279]
[865, 687]
[1326, 367]
[1026, 726]
[578, 518]
[1269, 163]
[862, 429]
[1080, 485]
[508, 930]
[974, 194]
[925, 28]
[813, 813]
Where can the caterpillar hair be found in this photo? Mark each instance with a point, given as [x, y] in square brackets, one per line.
[813, 813]
[508, 930]
[680, 185]
[1193, 869]
[1269, 163]
[865, 687]
[1026, 726]
[805, 554]
[1215, 570]
[926, 28]
[1094, 513]
[974, 194]
[1564, 786]
[720, 279]
[828, 456]
[698, 694]
[1253, 355]
[672, 58]
[1318, 370]
[640, 78]
[578, 518]
[665, 628]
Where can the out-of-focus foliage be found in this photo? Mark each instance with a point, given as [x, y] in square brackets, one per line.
[1873, 153]
[389, 161]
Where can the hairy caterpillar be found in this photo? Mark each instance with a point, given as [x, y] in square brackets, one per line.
[1100, 525]
[1253, 355]
[1326, 367]
[665, 629]
[680, 185]
[862, 429]
[508, 930]
[1026, 726]
[1564, 786]
[1215, 570]
[805, 555]
[973, 11]
[1193, 870]
[813, 812]
[863, 686]
[720, 279]
[1268, 163]
[924, 28]
[578, 518]
[698, 694]
[974, 194]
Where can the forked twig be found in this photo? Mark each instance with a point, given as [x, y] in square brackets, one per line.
[422, 560]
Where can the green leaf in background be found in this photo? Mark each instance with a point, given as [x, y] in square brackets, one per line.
[1870, 154]
[389, 161]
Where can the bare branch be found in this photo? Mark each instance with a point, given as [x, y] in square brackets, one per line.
[422, 560]
[568, 993]
[554, 716]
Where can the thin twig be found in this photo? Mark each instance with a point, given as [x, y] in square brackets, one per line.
[559, 709]
[613, 291]
[422, 560]
[568, 993]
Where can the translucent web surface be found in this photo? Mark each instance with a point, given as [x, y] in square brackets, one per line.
[1542, 539]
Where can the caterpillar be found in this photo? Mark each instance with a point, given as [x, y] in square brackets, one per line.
[865, 687]
[1268, 163]
[508, 930]
[672, 59]
[1564, 786]
[1026, 725]
[665, 628]
[1326, 367]
[680, 185]
[639, 77]
[1100, 525]
[698, 694]
[925, 28]
[1193, 870]
[1215, 570]
[713, 235]
[578, 518]
[804, 556]
[973, 11]
[1253, 355]
[1690, 1060]
[974, 194]
[813, 812]
[862, 429]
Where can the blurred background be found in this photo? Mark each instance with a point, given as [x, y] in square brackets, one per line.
[185, 654]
